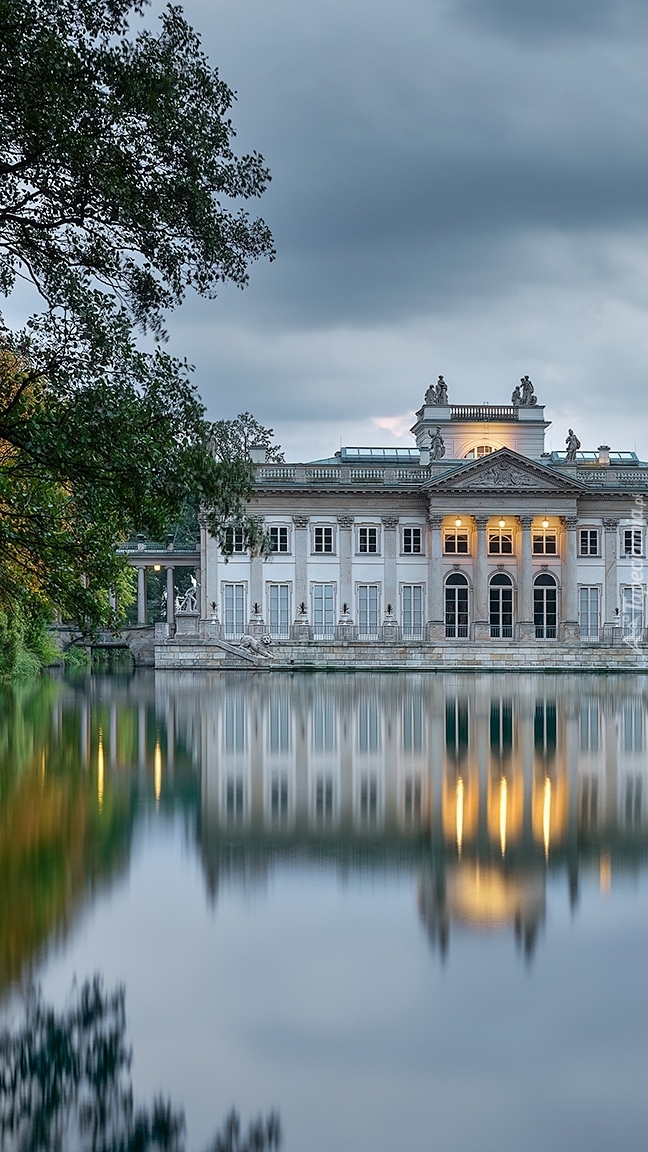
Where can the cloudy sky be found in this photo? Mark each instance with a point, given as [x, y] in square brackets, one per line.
[459, 186]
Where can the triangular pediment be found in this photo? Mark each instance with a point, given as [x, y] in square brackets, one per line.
[504, 471]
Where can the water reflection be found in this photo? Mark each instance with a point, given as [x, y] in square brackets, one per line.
[481, 785]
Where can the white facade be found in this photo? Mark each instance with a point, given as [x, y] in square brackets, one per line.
[494, 540]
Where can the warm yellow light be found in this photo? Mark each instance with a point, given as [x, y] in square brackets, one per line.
[460, 814]
[100, 770]
[502, 523]
[503, 802]
[545, 523]
[546, 815]
[458, 522]
[157, 771]
[605, 873]
[156, 567]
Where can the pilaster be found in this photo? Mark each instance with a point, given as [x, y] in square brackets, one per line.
[390, 525]
[301, 568]
[345, 535]
[436, 619]
[482, 624]
[610, 549]
[526, 626]
[570, 580]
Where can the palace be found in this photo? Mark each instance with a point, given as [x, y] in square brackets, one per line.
[477, 547]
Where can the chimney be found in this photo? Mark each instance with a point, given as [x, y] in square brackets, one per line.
[604, 455]
[257, 454]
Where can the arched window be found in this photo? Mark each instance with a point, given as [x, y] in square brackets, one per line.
[545, 607]
[501, 606]
[479, 451]
[456, 606]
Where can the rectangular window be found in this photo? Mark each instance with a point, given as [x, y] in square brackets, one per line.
[367, 540]
[412, 610]
[323, 610]
[632, 542]
[589, 545]
[500, 543]
[588, 613]
[368, 609]
[323, 540]
[279, 538]
[544, 544]
[412, 540]
[279, 609]
[235, 540]
[456, 542]
[632, 615]
[234, 609]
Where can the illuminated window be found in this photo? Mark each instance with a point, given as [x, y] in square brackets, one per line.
[454, 542]
[479, 451]
[544, 544]
[500, 543]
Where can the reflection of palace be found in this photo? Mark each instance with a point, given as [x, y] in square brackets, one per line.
[489, 778]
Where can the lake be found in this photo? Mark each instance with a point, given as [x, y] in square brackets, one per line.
[407, 912]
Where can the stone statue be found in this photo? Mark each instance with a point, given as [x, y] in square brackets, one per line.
[441, 392]
[573, 444]
[437, 394]
[516, 398]
[528, 399]
[437, 447]
[188, 602]
[257, 647]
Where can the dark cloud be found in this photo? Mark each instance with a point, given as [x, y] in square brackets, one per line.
[461, 180]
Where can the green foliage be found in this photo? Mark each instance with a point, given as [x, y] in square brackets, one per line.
[25, 643]
[119, 190]
[77, 658]
[232, 439]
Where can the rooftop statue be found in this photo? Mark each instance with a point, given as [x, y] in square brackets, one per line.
[573, 444]
[528, 398]
[437, 394]
[437, 447]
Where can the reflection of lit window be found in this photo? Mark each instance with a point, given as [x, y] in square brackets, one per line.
[501, 727]
[544, 728]
[456, 728]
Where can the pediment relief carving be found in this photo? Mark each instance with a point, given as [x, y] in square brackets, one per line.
[504, 471]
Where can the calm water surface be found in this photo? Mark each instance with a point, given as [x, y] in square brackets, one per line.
[407, 912]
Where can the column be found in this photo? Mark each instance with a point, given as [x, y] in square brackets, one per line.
[345, 530]
[301, 567]
[526, 626]
[436, 616]
[390, 524]
[570, 581]
[201, 600]
[610, 545]
[141, 594]
[482, 624]
[170, 591]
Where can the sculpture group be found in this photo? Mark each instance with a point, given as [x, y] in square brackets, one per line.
[524, 396]
[437, 394]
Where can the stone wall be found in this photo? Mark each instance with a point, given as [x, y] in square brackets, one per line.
[554, 656]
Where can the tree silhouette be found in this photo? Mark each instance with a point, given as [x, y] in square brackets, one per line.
[65, 1084]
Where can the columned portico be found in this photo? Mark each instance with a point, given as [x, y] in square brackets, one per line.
[141, 594]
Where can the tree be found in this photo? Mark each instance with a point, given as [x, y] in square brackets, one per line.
[64, 1083]
[232, 439]
[119, 191]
